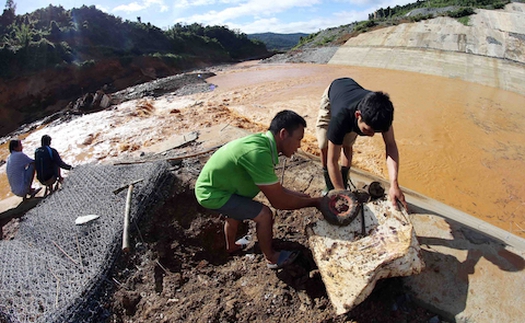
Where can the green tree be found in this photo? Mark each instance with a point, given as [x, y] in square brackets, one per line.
[23, 35]
[8, 16]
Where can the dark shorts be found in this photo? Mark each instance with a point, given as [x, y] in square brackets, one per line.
[241, 208]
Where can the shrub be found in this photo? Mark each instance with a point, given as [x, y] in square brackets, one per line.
[420, 17]
[461, 12]
[464, 20]
[364, 25]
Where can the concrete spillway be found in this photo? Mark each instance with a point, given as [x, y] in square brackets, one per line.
[489, 51]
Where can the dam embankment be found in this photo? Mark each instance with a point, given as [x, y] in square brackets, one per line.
[490, 50]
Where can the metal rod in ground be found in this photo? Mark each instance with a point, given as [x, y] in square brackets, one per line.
[363, 225]
[282, 174]
[125, 235]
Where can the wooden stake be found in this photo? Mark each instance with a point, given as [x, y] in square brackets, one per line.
[120, 189]
[125, 235]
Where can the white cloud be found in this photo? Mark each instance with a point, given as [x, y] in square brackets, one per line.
[102, 8]
[132, 7]
[135, 6]
[160, 3]
[368, 3]
[202, 3]
[306, 26]
[252, 8]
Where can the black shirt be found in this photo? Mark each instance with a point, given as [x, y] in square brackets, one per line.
[345, 95]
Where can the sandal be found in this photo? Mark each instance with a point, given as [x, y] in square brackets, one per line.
[285, 258]
[244, 243]
[34, 191]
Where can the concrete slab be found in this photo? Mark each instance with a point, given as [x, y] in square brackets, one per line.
[351, 263]
[489, 51]
[474, 272]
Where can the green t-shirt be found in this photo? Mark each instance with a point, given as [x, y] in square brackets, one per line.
[237, 168]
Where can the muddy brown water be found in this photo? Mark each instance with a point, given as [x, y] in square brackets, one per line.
[460, 143]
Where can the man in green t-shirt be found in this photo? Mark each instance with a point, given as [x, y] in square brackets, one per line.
[236, 173]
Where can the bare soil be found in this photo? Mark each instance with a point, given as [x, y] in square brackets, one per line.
[179, 270]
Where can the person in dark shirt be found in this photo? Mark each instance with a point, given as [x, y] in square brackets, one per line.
[48, 164]
[348, 110]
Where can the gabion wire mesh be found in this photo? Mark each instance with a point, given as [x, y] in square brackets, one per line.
[53, 267]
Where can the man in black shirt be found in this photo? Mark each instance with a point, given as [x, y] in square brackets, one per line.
[348, 110]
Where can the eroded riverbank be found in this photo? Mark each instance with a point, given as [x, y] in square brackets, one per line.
[460, 143]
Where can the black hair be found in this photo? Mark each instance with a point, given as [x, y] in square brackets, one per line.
[46, 140]
[13, 144]
[377, 111]
[288, 120]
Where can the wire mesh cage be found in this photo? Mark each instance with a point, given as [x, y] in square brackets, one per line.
[53, 267]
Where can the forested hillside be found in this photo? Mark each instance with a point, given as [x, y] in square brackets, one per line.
[52, 56]
[278, 42]
[53, 37]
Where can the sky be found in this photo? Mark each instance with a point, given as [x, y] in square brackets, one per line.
[247, 16]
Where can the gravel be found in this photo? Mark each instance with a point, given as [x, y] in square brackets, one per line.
[319, 55]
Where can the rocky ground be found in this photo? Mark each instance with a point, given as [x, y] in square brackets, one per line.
[320, 55]
[179, 270]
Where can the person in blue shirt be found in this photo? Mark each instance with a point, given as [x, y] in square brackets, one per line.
[20, 171]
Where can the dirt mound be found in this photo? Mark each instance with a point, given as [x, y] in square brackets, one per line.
[179, 270]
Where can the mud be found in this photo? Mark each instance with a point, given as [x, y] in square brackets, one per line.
[460, 143]
[179, 270]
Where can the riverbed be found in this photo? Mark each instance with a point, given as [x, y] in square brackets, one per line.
[460, 143]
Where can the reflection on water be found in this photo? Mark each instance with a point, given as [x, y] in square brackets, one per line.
[460, 143]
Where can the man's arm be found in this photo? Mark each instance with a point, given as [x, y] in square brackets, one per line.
[392, 163]
[59, 161]
[332, 164]
[27, 160]
[285, 199]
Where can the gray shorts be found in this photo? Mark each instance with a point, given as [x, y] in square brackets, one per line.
[241, 208]
[323, 120]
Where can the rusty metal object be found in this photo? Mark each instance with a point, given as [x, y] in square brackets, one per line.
[376, 190]
[340, 207]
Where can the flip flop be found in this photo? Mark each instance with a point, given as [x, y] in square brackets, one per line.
[244, 243]
[34, 191]
[285, 258]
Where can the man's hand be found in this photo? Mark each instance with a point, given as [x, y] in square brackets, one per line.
[395, 194]
[285, 199]
[317, 200]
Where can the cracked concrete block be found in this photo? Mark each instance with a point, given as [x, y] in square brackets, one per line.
[350, 264]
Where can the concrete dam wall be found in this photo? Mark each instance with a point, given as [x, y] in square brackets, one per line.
[489, 51]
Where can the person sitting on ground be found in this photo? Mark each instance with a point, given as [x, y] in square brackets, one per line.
[48, 165]
[347, 110]
[20, 171]
[236, 173]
